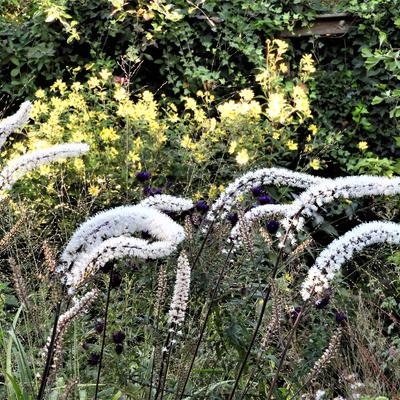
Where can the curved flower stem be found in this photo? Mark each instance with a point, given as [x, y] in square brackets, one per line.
[180, 394]
[50, 353]
[103, 340]
[284, 352]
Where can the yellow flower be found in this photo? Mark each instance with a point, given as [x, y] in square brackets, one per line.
[213, 191]
[246, 94]
[187, 142]
[292, 145]
[76, 86]
[315, 164]
[232, 147]
[308, 138]
[134, 156]
[282, 46]
[276, 105]
[276, 135]
[40, 94]
[120, 94]
[94, 190]
[242, 157]
[190, 103]
[105, 74]
[198, 196]
[172, 106]
[147, 96]
[283, 68]
[308, 148]
[79, 164]
[363, 145]
[313, 129]
[108, 135]
[60, 85]
[93, 82]
[307, 64]
[112, 151]
[199, 93]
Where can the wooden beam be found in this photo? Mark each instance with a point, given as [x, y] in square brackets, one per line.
[324, 25]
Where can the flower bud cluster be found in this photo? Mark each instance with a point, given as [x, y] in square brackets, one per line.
[165, 202]
[181, 292]
[106, 236]
[261, 177]
[34, 159]
[341, 250]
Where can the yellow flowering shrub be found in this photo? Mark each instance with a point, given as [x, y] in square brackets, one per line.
[184, 140]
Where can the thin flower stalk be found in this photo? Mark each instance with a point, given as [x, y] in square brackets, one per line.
[328, 355]
[11, 234]
[20, 284]
[65, 320]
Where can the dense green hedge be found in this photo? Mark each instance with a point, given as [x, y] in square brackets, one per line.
[182, 47]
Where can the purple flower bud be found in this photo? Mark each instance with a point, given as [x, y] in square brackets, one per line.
[257, 191]
[321, 303]
[150, 191]
[340, 317]
[99, 326]
[93, 359]
[145, 235]
[233, 218]
[272, 226]
[265, 199]
[118, 336]
[294, 313]
[107, 267]
[116, 279]
[202, 206]
[86, 345]
[119, 348]
[143, 176]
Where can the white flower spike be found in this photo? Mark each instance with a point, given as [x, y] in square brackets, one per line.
[15, 121]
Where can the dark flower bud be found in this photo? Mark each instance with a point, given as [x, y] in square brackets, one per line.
[294, 313]
[93, 359]
[340, 317]
[85, 345]
[150, 191]
[321, 303]
[202, 206]
[132, 266]
[116, 279]
[118, 336]
[107, 267]
[119, 348]
[143, 176]
[99, 326]
[233, 218]
[257, 191]
[265, 199]
[272, 226]
[146, 235]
